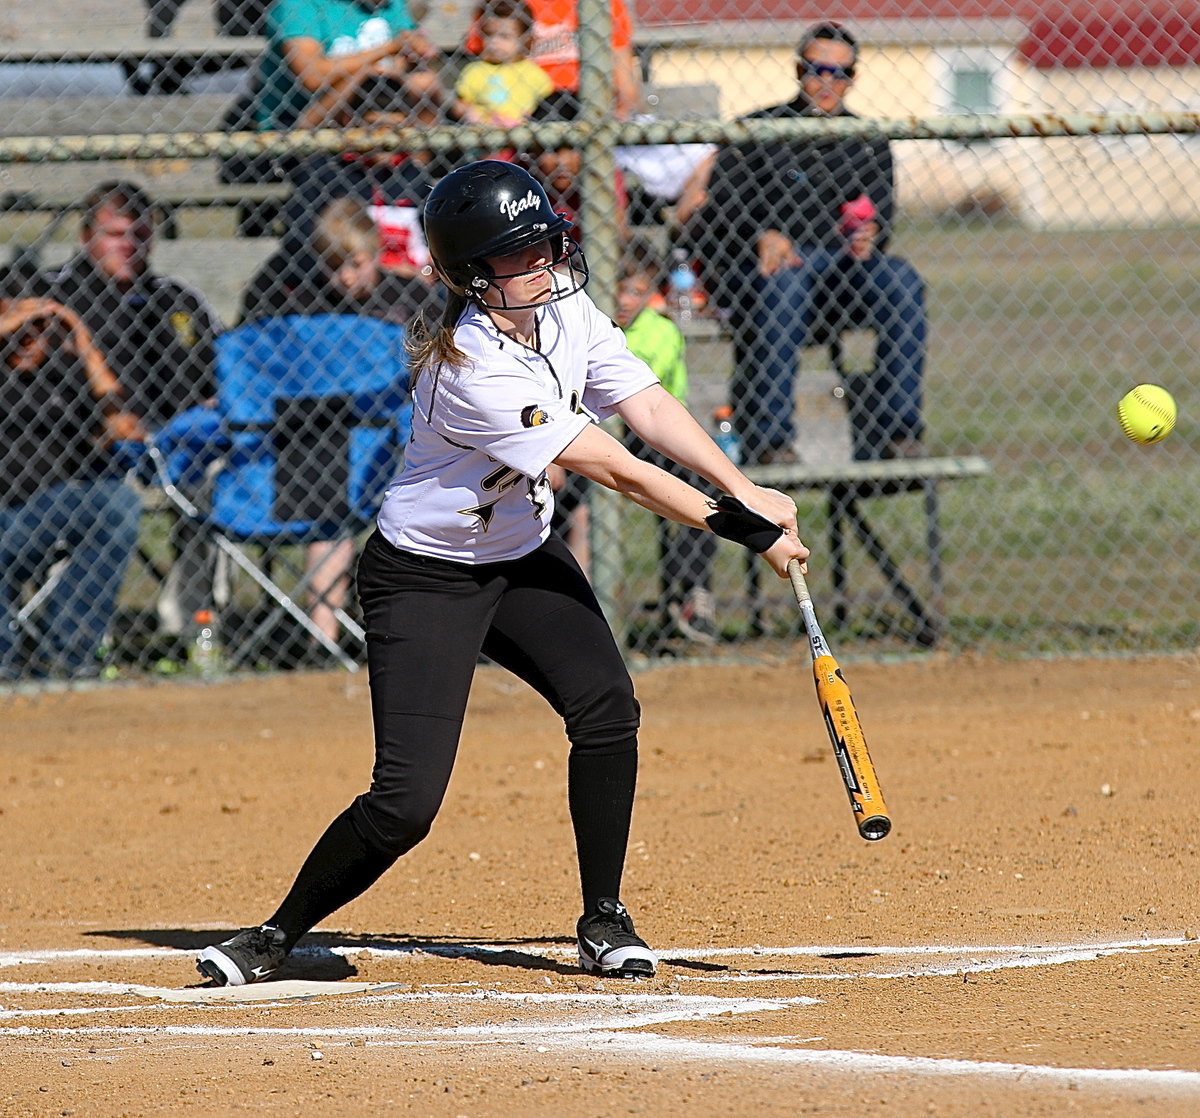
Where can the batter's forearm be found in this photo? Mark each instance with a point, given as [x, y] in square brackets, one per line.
[655, 490]
[663, 423]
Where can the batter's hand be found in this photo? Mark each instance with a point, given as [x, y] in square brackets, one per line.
[777, 507]
[783, 551]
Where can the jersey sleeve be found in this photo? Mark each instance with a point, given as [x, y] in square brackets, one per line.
[614, 373]
[508, 417]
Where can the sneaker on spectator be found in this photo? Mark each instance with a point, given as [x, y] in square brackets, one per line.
[695, 618]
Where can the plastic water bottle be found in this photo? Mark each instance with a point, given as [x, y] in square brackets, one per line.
[204, 655]
[681, 287]
[725, 436]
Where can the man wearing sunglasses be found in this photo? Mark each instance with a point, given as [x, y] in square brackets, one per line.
[796, 232]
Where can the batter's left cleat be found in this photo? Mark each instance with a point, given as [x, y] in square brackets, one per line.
[250, 956]
[608, 945]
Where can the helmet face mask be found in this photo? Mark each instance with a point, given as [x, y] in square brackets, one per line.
[489, 209]
[567, 268]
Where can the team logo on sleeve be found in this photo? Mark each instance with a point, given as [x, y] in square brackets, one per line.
[533, 416]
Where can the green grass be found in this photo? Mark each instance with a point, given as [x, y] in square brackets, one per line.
[1081, 541]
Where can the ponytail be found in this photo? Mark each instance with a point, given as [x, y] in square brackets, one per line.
[427, 347]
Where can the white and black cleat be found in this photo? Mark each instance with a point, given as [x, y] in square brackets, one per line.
[608, 945]
[250, 956]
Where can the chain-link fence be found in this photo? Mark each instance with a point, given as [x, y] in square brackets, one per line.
[916, 252]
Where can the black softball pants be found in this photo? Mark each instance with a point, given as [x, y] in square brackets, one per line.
[427, 622]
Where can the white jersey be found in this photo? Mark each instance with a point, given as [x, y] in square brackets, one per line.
[474, 485]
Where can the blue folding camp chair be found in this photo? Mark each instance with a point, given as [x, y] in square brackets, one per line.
[312, 416]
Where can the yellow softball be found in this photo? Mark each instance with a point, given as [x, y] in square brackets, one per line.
[1147, 414]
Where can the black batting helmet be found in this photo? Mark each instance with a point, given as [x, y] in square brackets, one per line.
[492, 208]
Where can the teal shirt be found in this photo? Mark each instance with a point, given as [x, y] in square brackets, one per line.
[657, 340]
[340, 26]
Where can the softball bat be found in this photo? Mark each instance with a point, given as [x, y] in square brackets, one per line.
[841, 720]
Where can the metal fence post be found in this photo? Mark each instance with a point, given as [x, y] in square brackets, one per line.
[601, 243]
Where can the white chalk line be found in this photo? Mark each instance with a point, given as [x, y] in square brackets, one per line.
[562, 1014]
[596, 1037]
[280, 995]
[965, 966]
[597, 1021]
[589, 1012]
[965, 960]
[859, 950]
[1033, 958]
[83, 954]
[416, 950]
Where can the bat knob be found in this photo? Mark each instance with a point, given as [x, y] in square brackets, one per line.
[875, 828]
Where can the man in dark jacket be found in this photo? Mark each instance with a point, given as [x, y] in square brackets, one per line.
[157, 335]
[796, 231]
[155, 332]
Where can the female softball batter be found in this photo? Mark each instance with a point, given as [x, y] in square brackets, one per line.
[516, 377]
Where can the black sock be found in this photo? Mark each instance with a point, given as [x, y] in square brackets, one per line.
[340, 867]
[600, 787]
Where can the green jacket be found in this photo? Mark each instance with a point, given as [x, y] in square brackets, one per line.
[657, 341]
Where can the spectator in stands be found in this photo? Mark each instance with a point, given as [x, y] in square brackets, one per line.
[502, 87]
[685, 554]
[344, 278]
[320, 51]
[340, 271]
[777, 248]
[156, 334]
[555, 48]
[559, 168]
[62, 494]
[391, 185]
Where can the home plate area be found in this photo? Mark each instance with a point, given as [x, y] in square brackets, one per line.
[752, 1004]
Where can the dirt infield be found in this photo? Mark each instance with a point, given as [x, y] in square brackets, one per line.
[1022, 944]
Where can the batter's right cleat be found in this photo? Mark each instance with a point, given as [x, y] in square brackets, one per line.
[608, 945]
[250, 956]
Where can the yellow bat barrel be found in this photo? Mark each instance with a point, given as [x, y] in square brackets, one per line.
[850, 748]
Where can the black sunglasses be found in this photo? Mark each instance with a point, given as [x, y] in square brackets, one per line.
[825, 70]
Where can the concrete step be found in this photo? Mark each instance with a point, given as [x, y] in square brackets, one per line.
[121, 23]
[91, 116]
